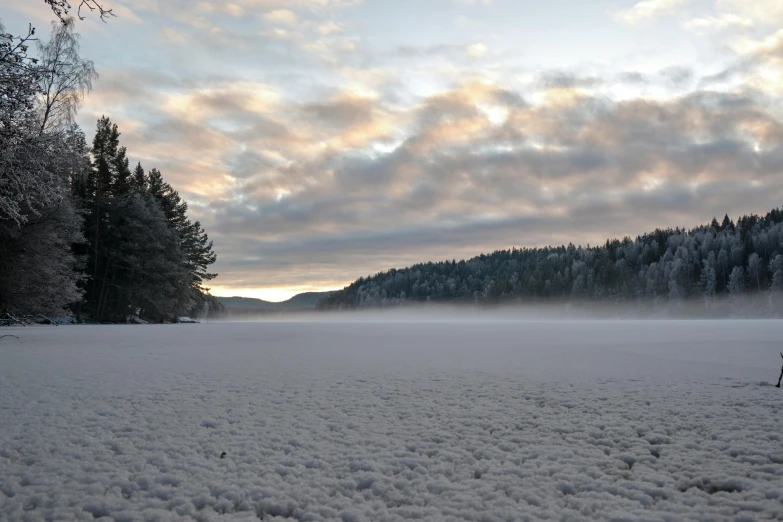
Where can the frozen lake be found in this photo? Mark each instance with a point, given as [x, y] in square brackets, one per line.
[393, 420]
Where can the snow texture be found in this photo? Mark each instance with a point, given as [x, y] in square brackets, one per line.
[353, 421]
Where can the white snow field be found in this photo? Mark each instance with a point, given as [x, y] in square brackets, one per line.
[394, 420]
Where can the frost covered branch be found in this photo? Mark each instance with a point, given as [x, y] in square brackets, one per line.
[66, 77]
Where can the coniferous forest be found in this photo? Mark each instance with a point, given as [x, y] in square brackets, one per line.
[722, 259]
[81, 231]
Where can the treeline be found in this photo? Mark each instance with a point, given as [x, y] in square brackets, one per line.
[80, 230]
[707, 262]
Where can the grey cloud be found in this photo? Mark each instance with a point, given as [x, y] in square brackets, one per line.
[258, 127]
[290, 198]
[567, 80]
[678, 77]
[443, 107]
[459, 184]
[248, 163]
[343, 257]
[341, 112]
[639, 131]
[633, 77]
[172, 130]
[510, 98]
[359, 171]
[725, 75]
[645, 136]
[422, 195]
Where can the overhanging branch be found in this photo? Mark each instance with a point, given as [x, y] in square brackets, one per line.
[62, 9]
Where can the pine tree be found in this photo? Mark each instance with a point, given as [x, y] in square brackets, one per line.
[122, 179]
[145, 264]
[97, 202]
[146, 255]
[727, 223]
[139, 181]
[194, 242]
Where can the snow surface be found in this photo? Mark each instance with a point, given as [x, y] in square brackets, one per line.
[352, 421]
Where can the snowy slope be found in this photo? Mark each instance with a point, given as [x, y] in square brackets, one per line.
[393, 421]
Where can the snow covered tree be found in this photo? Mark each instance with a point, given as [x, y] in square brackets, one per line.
[70, 226]
[38, 270]
[27, 185]
[672, 264]
[708, 280]
[776, 269]
[38, 223]
[737, 281]
[754, 269]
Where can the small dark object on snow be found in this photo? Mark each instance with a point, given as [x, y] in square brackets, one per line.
[223, 455]
[781, 374]
[8, 335]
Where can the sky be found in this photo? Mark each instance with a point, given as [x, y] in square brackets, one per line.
[318, 141]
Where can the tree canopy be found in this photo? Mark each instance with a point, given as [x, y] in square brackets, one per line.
[725, 258]
[78, 227]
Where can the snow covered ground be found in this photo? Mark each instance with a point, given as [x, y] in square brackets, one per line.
[394, 420]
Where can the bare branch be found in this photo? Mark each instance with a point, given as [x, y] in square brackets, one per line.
[62, 8]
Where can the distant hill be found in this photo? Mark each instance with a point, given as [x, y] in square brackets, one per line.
[304, 301]
[705, 263]
[246, 303]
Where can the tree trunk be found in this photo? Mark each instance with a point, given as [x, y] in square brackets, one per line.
[102, 293]
[119, 303]
[97, 238]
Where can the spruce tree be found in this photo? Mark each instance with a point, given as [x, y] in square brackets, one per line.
[139, 181]
[194, 242]
[146, 256]
[122, 180]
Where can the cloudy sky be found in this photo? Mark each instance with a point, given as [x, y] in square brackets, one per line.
[322, 140]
